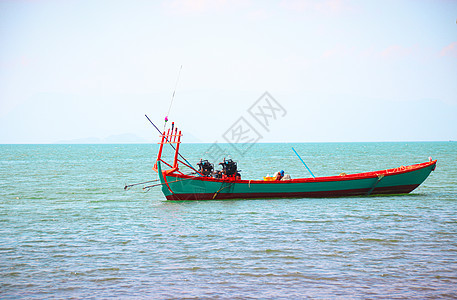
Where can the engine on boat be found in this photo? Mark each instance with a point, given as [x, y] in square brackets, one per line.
[229, 168]
[217, 174]
[206, 168]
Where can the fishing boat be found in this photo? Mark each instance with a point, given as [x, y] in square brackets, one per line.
[207, 184]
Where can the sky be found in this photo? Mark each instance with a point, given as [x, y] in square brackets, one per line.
[341, 70]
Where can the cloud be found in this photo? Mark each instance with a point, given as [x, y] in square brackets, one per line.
[391, 52]
[200, 6]
[339, 51]
[313, 5]
[450, 50]
[259, 14]
[397, 51]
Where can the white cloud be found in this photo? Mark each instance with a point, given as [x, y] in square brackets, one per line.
[322, 6]
[450, 50]
[202, 6]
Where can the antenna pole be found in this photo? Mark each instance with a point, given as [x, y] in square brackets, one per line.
[172, 98]
[303, 162]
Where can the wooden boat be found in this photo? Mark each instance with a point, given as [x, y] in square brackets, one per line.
[204, 186]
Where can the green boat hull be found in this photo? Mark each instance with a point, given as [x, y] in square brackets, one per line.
[401, 180]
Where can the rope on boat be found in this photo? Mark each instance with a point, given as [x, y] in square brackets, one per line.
[222, 188]
[159, 184]
[128, 186]
[380, 176]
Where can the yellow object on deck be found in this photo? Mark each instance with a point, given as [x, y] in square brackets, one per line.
[268, 178]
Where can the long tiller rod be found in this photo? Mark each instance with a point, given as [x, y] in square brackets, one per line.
[303, 162]
[171, 144]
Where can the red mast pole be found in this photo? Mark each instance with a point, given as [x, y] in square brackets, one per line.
[159, 156]
[175, 162]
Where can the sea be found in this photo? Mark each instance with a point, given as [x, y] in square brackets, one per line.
[69, 229]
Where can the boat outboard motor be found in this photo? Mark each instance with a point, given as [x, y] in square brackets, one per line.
[229, 168]
[206, 168]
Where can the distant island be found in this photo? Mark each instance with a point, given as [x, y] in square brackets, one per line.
[126, 138]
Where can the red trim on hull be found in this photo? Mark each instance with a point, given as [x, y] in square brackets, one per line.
[403, 189]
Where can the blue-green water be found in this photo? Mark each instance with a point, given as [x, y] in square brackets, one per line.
[69, 230]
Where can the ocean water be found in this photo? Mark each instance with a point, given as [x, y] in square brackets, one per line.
[68, 229]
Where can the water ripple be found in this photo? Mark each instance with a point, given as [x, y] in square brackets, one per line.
[69, 230]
